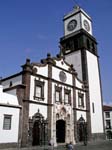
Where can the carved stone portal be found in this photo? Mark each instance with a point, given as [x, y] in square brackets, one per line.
[38, 130]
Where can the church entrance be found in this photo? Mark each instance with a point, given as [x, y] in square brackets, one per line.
[38, 130]
[82, 130]
[36, 134]
[60, 131]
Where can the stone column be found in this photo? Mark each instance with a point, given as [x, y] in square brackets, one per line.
[27, 70]
[20, 96]
[74, 74]
[49, 110]
[88, 115]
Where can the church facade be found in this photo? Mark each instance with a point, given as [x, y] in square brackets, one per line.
[59, 99]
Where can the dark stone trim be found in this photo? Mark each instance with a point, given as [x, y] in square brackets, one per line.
[49, 110]
[41, 85]
[27, 70]
[58, 89]
[9, 105]
[14, 87]
[74, 106]
[83, 90]
[84, 65]
[79, 32]
[20, 96]
[80, 11]
[38, 103]
[58, 82]
[13, 76]
[66, 91]
[88, 114]
[81, 109]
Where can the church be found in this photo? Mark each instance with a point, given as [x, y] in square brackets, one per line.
[58, 99]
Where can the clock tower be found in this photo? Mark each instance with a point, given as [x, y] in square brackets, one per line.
[79, 47]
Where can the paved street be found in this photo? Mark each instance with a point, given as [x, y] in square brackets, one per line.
[105, 145]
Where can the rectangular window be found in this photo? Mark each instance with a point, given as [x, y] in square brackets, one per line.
[58, 94]
[93, 108]
[39, 90]
[7, 122]
[108, 124]
[67, 98]
[80, 100]
[107, 114]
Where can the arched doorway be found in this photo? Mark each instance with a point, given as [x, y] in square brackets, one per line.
[38, 130]
[82, 129]
[36, 134]
[60, 131]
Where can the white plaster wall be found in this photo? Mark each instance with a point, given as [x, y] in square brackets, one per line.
[42, 70]
[32, 87]
[75, 59]
[9, 136]
[78, 83]
[15, 81]
[95, 93]
[12, 92]
[56, 72]
[81, 113]
[33, 108]
[62, 64]
[6, 98]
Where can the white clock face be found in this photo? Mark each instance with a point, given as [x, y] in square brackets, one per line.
[72, 25]
[86, 25]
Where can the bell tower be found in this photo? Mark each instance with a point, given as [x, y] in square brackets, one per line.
[79, 47]
[78, 38]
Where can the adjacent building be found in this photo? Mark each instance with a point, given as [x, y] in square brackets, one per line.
[108, 121]
[9, 118]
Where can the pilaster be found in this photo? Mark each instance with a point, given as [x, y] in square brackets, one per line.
[27, 69]
[74, 74]
[49, 61]
[88, 115]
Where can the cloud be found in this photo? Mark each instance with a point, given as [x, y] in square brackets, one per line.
[42, 37]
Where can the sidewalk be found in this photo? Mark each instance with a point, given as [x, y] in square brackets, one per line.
[101, 145]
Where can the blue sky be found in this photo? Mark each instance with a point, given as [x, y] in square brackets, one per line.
[32, 28]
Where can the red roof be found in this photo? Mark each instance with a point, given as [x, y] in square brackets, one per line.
[107, 108]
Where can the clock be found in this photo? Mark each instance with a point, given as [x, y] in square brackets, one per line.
[72, 25]
[86, 25]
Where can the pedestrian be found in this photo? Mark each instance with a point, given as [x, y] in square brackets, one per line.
[70, 146]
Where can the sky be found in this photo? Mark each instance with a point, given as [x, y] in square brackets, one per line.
[32, 28]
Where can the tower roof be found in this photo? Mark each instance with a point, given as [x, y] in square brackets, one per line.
[76, 10]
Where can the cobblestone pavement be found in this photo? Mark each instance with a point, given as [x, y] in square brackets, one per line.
[105, 145]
